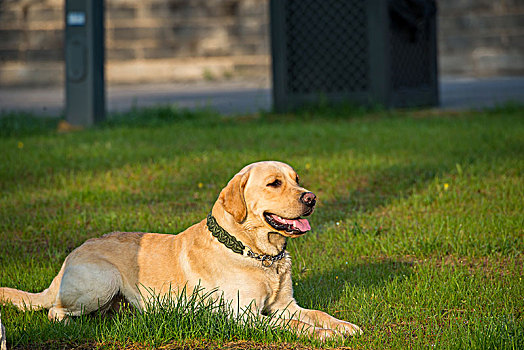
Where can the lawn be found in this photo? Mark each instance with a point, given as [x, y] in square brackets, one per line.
[417, 237]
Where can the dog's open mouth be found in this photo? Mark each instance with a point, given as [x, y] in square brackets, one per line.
[296, 226]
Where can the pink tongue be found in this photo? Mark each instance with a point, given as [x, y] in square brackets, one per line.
[301, 224]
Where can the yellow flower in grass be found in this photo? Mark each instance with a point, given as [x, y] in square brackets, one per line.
[446, 186]
[20, 144]
[200, 185]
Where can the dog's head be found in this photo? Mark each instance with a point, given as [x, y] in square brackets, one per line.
[268, 195]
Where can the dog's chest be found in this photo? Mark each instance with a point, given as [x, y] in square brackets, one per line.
[277, 278]
[280, 268]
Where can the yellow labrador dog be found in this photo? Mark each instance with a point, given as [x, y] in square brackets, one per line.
[238, 249]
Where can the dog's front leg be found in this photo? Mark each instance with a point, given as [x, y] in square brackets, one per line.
[319, 319]
[323, 320]
[290, 309]
[300, 326]
[250, 313]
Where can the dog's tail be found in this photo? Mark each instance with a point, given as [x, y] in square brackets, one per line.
[32, 301]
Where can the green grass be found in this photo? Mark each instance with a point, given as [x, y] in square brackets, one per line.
[417, 237]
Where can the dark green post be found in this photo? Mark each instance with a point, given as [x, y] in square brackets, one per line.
[84, 57]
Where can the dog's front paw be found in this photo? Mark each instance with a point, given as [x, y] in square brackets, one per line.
[324, 333]
[347, 328]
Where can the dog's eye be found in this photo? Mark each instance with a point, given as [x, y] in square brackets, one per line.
[275, 183]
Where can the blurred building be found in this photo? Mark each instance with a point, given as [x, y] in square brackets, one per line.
[182, 40]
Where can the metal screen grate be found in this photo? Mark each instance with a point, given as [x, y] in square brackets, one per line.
[363, 51]
[326, 45]
[410, 54]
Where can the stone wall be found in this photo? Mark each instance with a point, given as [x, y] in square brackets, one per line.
[481, 37]
[146, 40]
[176, 40]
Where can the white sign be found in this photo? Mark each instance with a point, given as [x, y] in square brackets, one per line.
[76, 18]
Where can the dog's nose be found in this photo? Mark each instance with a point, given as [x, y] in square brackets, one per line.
[309, 199]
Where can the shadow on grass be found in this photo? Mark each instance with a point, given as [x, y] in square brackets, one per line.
[19, 124]
[327, 287]
[382, 187]
[14, 124]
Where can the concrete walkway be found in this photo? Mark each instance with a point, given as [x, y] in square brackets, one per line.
[242, 97]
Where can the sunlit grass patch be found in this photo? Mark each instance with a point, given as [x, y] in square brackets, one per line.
[417, 236]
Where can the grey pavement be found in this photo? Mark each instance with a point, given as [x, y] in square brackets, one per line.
[475, 93]
[243, 97]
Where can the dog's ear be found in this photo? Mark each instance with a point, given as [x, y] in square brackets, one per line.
[232, 197]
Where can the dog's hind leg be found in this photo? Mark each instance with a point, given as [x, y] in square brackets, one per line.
[86, 287]
[32, 301]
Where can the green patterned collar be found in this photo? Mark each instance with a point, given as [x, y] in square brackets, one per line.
[238, 247]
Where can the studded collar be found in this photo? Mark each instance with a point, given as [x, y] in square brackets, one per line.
[238, 247]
